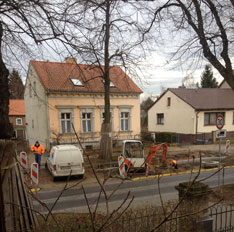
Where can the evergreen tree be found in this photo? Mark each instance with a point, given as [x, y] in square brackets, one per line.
[16, 86]
[144, 110]
[207, 79]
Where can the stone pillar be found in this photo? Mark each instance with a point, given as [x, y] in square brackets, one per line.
[195, 198]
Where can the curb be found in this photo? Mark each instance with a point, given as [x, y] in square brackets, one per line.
[176, 174]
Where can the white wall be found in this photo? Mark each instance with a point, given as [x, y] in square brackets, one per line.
[36, 108]
[178, 118]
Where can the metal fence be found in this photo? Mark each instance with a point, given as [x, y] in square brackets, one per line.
[218, 218]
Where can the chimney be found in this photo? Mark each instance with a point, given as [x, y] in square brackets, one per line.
[70, 60]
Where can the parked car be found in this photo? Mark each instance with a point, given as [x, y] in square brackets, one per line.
[65, 160]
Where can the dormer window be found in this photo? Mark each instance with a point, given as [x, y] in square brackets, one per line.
[76, 82]
[111, 83]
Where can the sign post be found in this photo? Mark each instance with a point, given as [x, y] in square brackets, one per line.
[219, 125]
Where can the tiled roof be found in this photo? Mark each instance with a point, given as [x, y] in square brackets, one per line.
[206, 98]
[16, 107]
[56, 76]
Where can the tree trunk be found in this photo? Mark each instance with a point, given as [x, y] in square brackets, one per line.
[106, 142]
[6, 131]
[106, 138]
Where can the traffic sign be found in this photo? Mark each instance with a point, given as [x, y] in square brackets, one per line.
[219, 121]
[221, 134]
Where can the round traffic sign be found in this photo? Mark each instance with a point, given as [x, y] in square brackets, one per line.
[219, 121]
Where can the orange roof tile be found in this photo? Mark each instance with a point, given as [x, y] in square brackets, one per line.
[56, 76]
[16, 107]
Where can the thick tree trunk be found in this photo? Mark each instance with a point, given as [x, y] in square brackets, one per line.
[6, 131]
[106, 142]
[106, 138]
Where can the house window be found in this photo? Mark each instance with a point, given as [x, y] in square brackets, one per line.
[86, 122]
[19, 121]
[210, 118]
[30, 90]
[76, 82]
[65, 122]
[168, 101]
[160, 119]
[124, 121]
[35, 88]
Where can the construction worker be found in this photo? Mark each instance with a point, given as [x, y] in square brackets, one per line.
[174, 164]
[38, 150]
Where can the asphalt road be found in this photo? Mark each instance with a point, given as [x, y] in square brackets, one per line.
[145, 192]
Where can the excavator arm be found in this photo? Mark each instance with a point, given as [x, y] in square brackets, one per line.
[151, 154]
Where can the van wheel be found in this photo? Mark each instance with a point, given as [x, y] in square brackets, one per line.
[46, 166]
[54, 178]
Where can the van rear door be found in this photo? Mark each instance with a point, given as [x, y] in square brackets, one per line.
[69, 161]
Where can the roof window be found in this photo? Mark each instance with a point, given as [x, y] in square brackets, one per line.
[76, 82]
[111, 83]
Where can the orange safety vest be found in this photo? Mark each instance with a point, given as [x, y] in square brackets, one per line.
[173, 162]
[37, 150]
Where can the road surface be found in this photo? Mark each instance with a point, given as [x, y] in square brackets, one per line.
[145, 192]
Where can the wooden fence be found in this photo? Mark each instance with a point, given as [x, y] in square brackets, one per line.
[15, 201]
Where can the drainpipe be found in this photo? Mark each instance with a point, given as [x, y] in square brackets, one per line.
[48, 119]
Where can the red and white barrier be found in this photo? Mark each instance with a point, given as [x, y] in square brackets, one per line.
[24, 159]
[34, 173]
[227, 147]
[121, 163]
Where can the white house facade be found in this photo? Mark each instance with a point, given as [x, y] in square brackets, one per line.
[192, 111]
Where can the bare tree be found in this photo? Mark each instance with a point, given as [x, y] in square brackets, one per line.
[21, 23]
[200, 28]
[104, 33]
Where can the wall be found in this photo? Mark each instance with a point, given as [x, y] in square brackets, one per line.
[225, 85]
[178, 118]
[35, 108]
[20, 130]
[96, 102]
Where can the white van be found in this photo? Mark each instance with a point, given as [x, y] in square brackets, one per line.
[65, 160]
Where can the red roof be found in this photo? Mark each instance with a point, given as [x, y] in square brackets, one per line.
[56, 76]
[16, 107]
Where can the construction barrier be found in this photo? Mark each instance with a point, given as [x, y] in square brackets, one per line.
[34, 174]
[23, 160]
[121, 163]
[227, 147]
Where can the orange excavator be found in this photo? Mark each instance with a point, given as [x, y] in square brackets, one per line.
[151, 154]
[133, 155]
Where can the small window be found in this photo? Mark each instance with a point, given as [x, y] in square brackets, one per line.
[111, 83]
[87, 122]
[35, 88]
[76, 82]
[168, 101]
[160, 119]
[19, 122]
[124, 121]
[210, 118]
[65, 122]
[30, 90]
